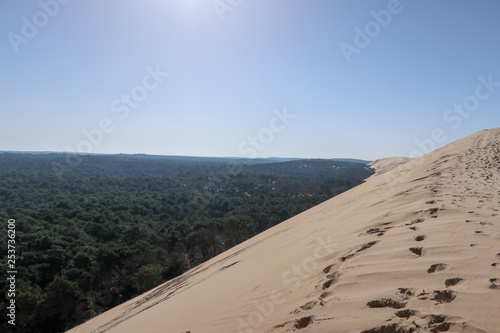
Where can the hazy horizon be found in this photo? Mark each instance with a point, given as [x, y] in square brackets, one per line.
[182, 156]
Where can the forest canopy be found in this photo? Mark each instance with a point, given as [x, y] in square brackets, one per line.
[104, 230]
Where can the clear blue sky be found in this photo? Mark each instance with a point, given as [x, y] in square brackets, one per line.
[71, 66]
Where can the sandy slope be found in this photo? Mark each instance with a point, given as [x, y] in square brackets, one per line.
[384, 165]
[415, 249]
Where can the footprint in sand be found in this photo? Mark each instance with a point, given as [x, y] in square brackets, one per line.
[453, 282]
[328, 269]
[303, 322]
[437, 268]
[358, 249]
[419, 251]
[435, 323]
[386, 302]
[328, 284]
[408, 293]
[377, 231]
[326, 297]
[407, 313]
[306, 307]
[445, 296]
[385, 328]
[432, 211]
[332, 278]
[415, 222]
[494, 285]
[420, 238]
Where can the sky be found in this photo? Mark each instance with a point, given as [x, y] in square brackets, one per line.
[247, 78]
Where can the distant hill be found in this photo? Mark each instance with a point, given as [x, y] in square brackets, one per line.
[171, 166]
[351, 160]
[315, 168]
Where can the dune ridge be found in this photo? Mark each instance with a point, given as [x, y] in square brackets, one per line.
[415, 248]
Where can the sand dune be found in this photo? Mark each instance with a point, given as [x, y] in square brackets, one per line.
[384, 165]
[413, 249]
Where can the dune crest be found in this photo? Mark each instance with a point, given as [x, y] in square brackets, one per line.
[416, 248]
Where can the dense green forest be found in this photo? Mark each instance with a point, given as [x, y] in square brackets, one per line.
[93, 234]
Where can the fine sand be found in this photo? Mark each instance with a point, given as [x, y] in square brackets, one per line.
[413, 249]
[384, 165]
